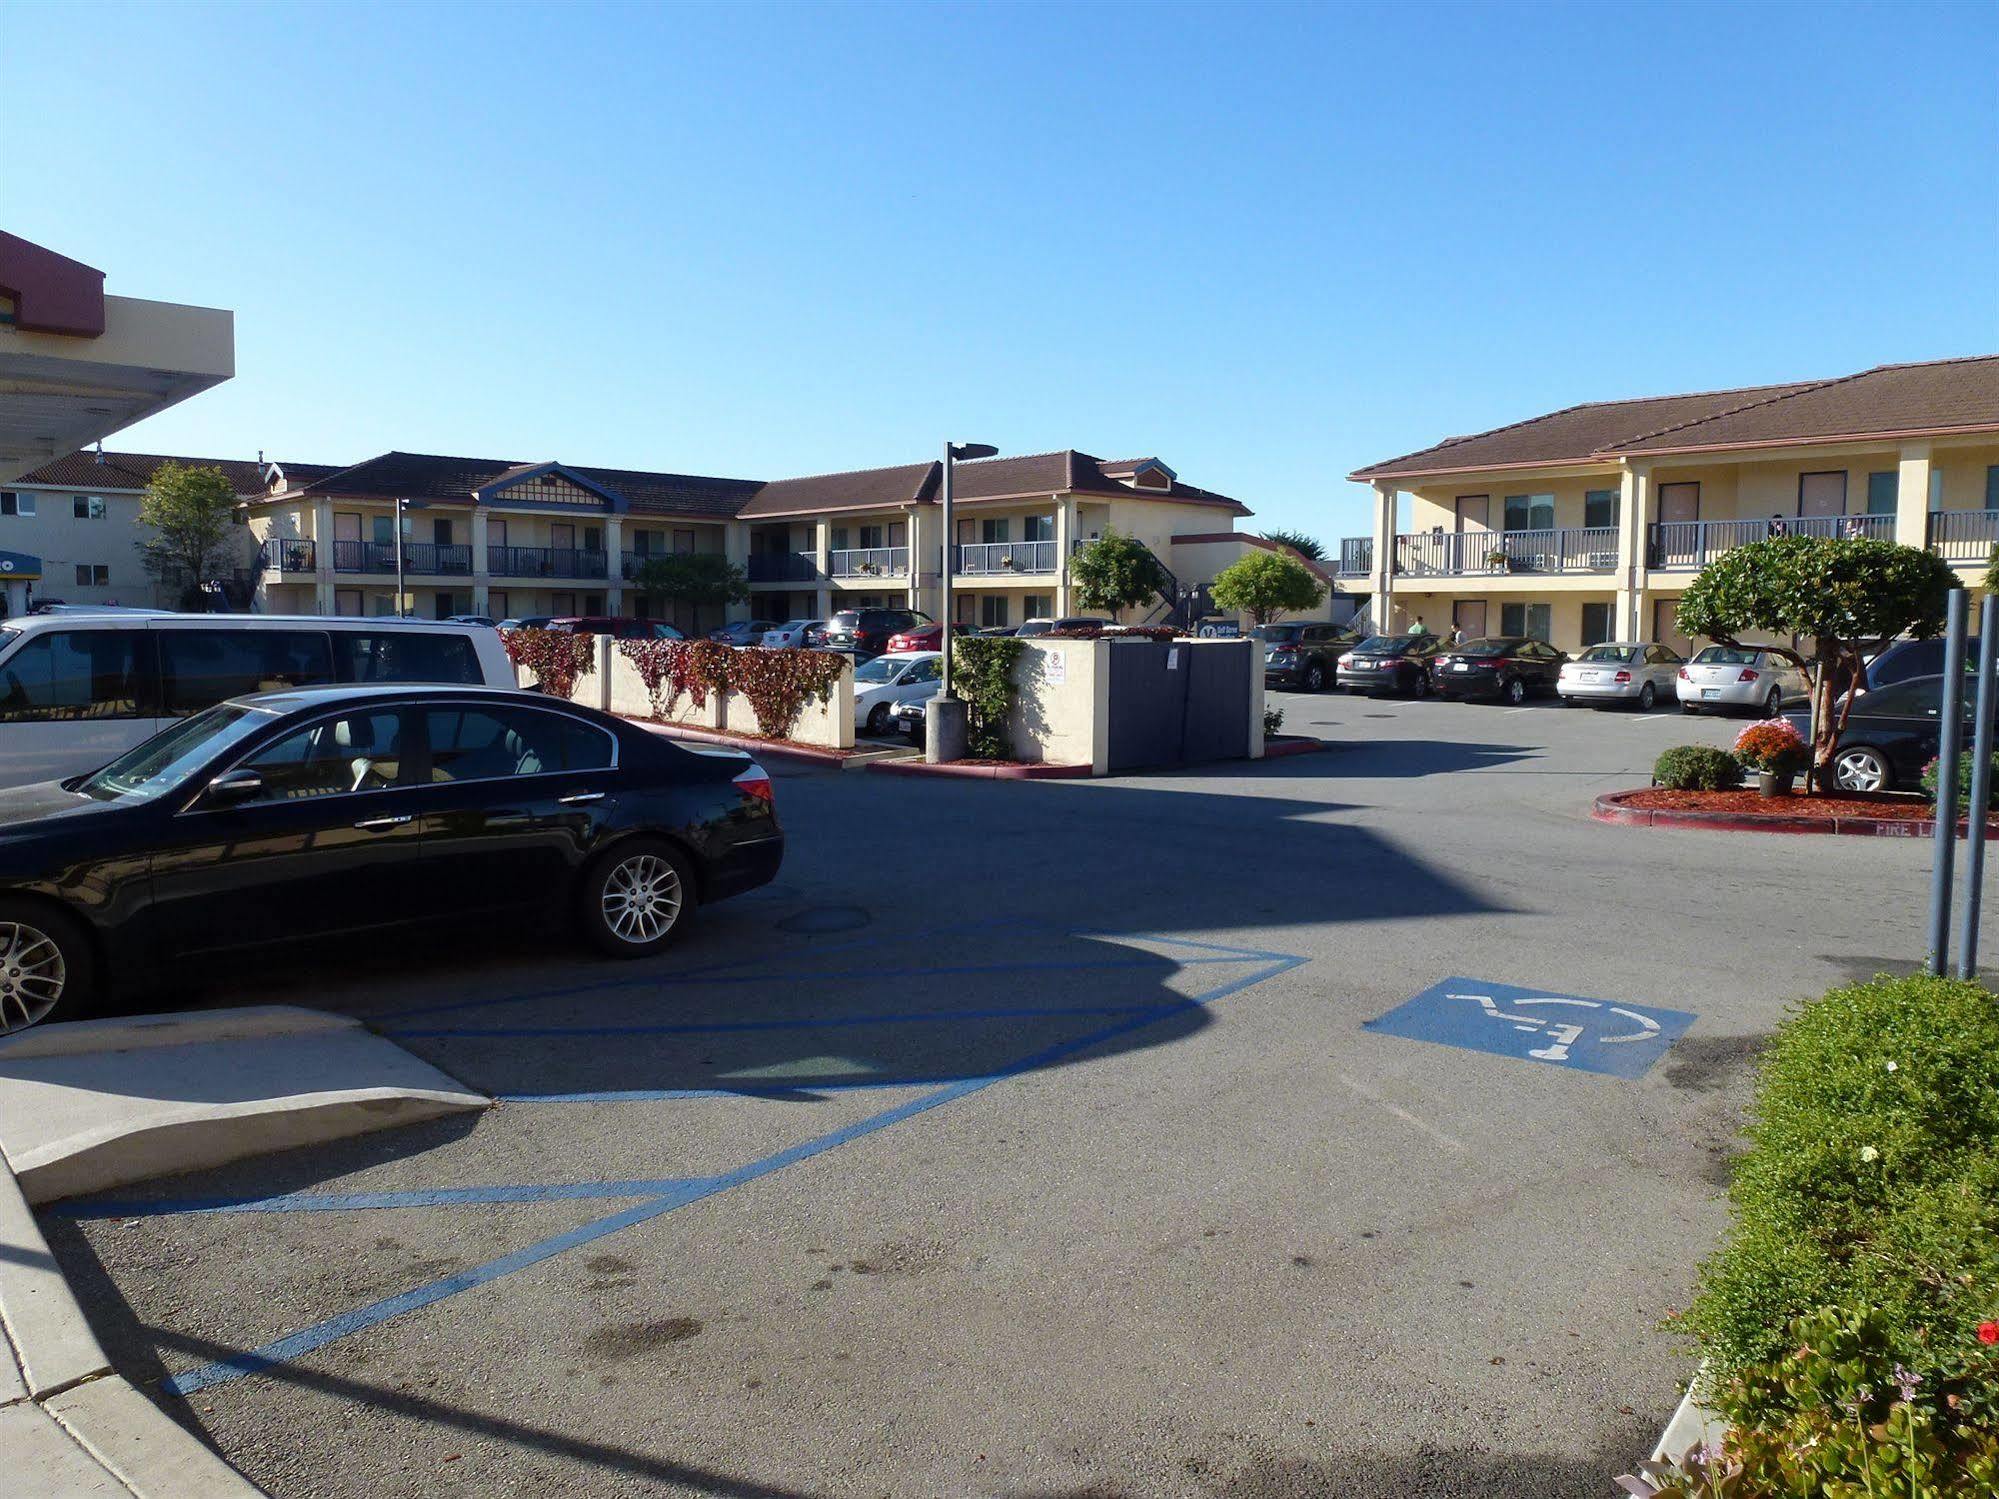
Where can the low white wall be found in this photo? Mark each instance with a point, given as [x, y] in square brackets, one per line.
[1061, 703]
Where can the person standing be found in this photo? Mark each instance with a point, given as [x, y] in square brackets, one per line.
[1419, 628]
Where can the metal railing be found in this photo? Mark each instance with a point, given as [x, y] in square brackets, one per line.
[364, 556]
[294, 555]
[1693, 544]
[438, 559]
[870, 562]
[1562, 549]
[1963, 535]
[1356, 556]
[1004, 557]
[546, 562]
[784, 567]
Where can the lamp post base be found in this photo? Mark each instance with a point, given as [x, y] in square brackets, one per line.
[944, 730]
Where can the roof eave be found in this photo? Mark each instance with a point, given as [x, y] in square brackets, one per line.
[1896, 434]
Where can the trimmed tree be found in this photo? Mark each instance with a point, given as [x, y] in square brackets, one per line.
[694, 578]
[1264, 585]
[1114, 573]
[1299, 542]
[1843, 597]
[192, 512]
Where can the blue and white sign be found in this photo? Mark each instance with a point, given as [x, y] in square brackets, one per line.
[1560, 1030]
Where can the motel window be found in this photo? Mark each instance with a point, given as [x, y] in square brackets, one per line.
[683, 542]
[838, 541]
[1038, 528]
[384, 528]
[87, 507]
[993, 531]
[1992, 487]
[1038, 606]
[1881, 490]
[1531, 620]
[1596, 623]
[93, 575]
[1936, 488]
[1529, 512]
[871, 537]
[1599, 509]
[16, 504]
[992, 610]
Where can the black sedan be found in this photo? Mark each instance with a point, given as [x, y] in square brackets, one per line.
[335, 811]
[1507, 667]
[1891, 734]
[1389, 663]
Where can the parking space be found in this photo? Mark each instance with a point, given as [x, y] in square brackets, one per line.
[1146, 1136]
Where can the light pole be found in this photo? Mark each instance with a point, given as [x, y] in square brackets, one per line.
[944, 722]
[403, 507]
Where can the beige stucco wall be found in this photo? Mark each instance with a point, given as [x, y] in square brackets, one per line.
[55, 534]
[1061, 703]
[1434, 504]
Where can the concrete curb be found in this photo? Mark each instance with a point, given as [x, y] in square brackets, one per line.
[68, 1425]
[1280, 749]
[983, 772]
[1691, 1425]
[853, 759]
[1611, 808]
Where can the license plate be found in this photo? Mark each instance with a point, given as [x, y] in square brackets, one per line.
[1592, 676]
[1710, 692]
[1459, 666]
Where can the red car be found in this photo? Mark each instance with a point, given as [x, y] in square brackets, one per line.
[928, 637]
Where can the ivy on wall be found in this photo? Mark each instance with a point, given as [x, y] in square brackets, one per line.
[777, 683]
[556, 657]
[982, 674]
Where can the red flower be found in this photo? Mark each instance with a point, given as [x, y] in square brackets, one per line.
[1988, 1332]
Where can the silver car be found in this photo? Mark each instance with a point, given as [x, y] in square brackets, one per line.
[1638, 672]
[1725, 676]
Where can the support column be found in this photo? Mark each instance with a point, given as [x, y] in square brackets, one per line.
[822, 545]
[1635, 507]
[322, 554]
[1065, 543]
[614, 564]
[1382, 582]
[919, 539]
[1912, 495]
[482, 573]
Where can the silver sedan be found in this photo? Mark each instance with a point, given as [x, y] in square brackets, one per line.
[1725, 676]
[1639, 672]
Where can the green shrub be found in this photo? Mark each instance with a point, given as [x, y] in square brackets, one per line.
[1840, 1413]
[982, 674]
[1964, 762]
[1273, 721]
[1871, 1178]
[1697, 767]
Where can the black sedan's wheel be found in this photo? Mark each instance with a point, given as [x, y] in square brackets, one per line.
[1315, 677]
[1646, 698]
[1862, 769]
[45, 966]
[636, 898]
[1419, 686]
[1514, 690]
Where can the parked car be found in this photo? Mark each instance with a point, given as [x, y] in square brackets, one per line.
[888, 680]
[909, 718]
[1745, 678]
[1029, 627]
[1000, 630]
[1389, 663]
[1637, 672]
[529, 622]
[77, 690]
[742, 631]
[1507, 667]
[617, 626]
[928, 637]
[816, 636]
[471, 619]
[333, 812]
[1301, 655]
[1915, 658]
[1891, 733]
[793, 632]
[866, 632]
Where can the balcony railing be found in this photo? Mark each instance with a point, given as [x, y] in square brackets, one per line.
[1564, 549]
[1692, 544]
[364, 556]
[420, 558]
[1963, 535]
[294, 555]
[546, 562]
[1356, 556]
[1004, 557]
[784, 567]
[870, 562]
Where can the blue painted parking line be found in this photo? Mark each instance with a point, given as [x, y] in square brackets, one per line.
[808, 1023]
[347, 1202]
[1530, 1025]
[682, 1192]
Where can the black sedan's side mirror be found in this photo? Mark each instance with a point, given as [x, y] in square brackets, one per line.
[234, 787]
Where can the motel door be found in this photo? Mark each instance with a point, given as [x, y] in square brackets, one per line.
[1679, 502]
[1469, 615]
[1474, 512]
[1822, 494]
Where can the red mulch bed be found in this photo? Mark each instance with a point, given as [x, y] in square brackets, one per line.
[1847, 804]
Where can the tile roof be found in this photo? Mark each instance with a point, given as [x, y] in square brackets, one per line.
[1939, 395]
[862, 489]
[1064, 471]
[83, 470]
[433, 476]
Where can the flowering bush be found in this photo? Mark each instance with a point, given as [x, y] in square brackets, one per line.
[1088, 631]
[1773, 746]
[1930, 779]
[777, 683]
[556, 657]
[1142, 632]
[673, 669]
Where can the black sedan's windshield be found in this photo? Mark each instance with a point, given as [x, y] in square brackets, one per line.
[1389, 645]
[1491, 646]
[163, 762]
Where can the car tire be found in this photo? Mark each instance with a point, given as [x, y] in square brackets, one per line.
[1514, 691]
[1647, 696]
[1420, 688]
[48, 970]
[878, 719]
[1315, 677]
[637, 898]
[1870, 769]
[1772, 702]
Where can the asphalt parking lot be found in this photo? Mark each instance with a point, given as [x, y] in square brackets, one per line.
[1026, 1139]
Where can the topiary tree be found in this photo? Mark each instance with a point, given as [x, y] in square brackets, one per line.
[1264, 585]
[1299, 542]
[1114, 572]
[191, 510]
[694, 578]
[1844, 596]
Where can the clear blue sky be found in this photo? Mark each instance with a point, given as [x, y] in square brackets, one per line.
[1269, 244]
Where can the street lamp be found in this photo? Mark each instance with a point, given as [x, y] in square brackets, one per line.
[944, 722]
[403, 507]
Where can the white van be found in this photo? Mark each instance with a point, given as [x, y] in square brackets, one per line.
[79, 689]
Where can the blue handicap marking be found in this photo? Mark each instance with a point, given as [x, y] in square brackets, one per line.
[1532, 1025]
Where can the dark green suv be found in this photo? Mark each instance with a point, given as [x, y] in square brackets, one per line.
[1306, 656]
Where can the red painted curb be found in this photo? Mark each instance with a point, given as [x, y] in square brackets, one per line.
[982, 772]
[1279, 749]
[1610, 808]
[743, 742]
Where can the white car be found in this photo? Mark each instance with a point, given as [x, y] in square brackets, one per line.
[1723, 676]
[887, 681]
[1635, 672]
[792, 632]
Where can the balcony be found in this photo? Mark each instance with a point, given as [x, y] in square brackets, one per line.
[546, 562]
[287, 556]
[784, 567]
[870, 562]
[1356, 556]
[1689, 545]
[420, 558]
[1963, 535]
[1562, 550]
[1003, 557]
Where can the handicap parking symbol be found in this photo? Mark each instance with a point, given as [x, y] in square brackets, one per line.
[1530, 1025]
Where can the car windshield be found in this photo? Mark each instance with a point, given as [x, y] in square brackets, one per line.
[846, 619]
[1724, 655]
[881, 669]
[1283, 634]
[1610, 653]
[1490, 646]
[1387, 645]
[162, 762]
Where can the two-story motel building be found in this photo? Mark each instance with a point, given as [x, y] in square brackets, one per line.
[1587, 524]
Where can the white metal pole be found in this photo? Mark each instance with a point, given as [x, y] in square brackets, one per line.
[944, 631]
